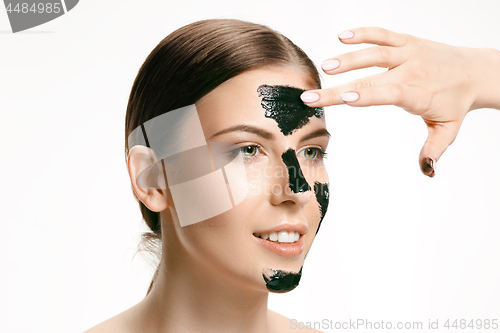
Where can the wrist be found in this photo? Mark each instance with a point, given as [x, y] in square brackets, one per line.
[486, 79]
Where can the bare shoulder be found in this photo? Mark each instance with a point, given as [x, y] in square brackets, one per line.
[121, 323]
[279, 323]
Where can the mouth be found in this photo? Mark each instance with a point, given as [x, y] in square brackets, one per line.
[280, 237]
[285, 243]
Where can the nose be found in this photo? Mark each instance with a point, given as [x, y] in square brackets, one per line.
[292, 186]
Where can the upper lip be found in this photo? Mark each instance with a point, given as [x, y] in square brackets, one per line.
[299, 227]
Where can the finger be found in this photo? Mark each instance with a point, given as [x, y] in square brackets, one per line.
[407, 97]
[380, 56]
[440, 137]
[331, 96]
[374, 35]
[410, 98]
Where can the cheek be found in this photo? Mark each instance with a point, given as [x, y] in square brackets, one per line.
[233, 225]
[317, 176]
[260, 176]
[313, 172]
[219, 241]
[223, 244]
[322, 194]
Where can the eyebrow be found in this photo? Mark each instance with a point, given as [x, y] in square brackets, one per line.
[268, 135]
[246, 128]
[315, 134]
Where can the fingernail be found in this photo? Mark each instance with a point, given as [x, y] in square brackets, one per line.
[309, 97]
[346, 34]
[428, 167]
[328, 65]
[349, 97]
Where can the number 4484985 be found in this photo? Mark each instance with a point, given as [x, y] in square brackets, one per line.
[472, 324]
[35, 8]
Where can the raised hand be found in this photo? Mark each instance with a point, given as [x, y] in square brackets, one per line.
[438, 82]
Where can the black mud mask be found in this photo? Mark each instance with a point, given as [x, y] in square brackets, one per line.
[296, 180]
[322, 192]
[283, 104]
[281, 281]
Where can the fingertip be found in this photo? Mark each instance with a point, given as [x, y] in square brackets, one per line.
[329, 65]
[309, 97]
[345, 35]
[428, 166]
[349, 97]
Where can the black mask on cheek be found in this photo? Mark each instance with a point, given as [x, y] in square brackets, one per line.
[322, 192]
[283, 104]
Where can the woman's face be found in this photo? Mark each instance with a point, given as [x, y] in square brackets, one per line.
[281, 142]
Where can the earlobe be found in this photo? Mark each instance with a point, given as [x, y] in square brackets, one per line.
[147, 178]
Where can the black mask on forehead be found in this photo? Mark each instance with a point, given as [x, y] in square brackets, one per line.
[283, 104]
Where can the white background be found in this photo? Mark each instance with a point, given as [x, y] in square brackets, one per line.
[394, 245]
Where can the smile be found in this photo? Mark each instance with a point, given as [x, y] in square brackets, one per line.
[286, 240]
[280, 237]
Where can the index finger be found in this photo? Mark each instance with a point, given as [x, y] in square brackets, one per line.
[331, 96]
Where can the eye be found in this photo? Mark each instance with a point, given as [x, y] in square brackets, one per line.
[249, 151]
[310, 152]
[313, 154]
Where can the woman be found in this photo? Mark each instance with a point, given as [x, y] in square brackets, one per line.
[236, 86]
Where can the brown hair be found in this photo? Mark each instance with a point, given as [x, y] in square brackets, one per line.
[191, 62]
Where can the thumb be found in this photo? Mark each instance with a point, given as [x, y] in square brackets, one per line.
[440, 136]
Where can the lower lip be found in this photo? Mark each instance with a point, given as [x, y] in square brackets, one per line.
[283, 249]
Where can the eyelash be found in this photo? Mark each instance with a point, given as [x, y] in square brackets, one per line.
[320, 153]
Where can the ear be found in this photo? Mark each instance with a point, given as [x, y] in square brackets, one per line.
[147, 178]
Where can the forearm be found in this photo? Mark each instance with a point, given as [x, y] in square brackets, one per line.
[487, 79]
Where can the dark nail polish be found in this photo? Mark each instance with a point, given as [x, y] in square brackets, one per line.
[427, 166]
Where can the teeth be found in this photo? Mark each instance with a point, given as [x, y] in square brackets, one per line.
[282, 236]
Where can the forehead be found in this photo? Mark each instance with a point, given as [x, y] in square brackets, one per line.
[238, 101]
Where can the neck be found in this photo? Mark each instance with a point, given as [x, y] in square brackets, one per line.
[187, 296]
